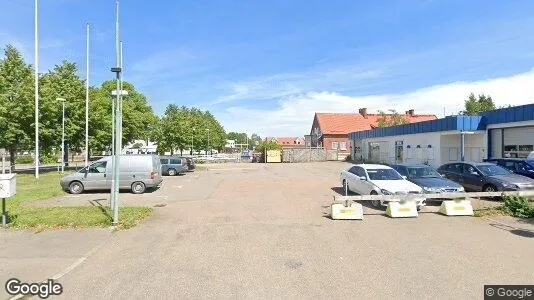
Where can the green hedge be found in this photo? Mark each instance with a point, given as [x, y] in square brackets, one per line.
[24, 159]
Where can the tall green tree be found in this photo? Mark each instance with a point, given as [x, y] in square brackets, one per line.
[474, 105]
[183, 128]
[17, 124]
[62, 82]
[390, 119]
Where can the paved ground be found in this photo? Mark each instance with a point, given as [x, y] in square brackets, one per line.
[262, 231]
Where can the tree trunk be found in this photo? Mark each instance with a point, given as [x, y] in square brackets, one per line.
[172, 150]
[12, 159]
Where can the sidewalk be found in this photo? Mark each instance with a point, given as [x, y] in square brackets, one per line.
[35, 257]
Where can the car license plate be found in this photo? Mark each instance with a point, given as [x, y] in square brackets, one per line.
[404, 209]
[459, 208]
[346, 211]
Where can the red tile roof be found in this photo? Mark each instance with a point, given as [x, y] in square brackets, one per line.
[287, 140]
[345, 123]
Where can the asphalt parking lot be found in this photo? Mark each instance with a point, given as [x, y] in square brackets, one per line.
[263, 231]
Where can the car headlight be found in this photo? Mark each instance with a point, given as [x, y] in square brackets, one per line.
[509, 185]
[461, 189]
[386, 192]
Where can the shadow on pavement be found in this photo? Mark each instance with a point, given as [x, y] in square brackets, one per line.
[517, 231]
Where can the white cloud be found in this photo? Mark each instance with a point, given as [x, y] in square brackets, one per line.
[294, 114]
[288, 84]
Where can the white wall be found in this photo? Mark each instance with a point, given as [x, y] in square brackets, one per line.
[410, 155]
[445, 147]
[475, 147]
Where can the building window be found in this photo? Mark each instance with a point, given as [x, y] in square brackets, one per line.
[343, 145]
[334, 145]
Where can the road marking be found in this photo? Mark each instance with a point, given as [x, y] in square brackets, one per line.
[71, 267]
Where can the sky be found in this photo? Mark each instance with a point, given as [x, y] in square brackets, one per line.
[267, 66]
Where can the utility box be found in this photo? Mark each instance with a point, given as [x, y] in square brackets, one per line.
[274, 156]
[8, 185]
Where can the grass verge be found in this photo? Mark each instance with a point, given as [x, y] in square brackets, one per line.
[46, 187]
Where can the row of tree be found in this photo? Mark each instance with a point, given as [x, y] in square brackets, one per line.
[188, 128]
[17, 119]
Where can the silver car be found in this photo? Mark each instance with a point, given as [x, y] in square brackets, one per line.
[137, 173]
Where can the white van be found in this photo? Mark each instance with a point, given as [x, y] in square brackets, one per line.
[136, 173]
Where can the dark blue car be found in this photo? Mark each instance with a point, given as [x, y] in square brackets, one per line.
[427, 178]
[519, 166]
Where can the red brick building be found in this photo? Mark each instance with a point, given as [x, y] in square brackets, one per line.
[330, 130]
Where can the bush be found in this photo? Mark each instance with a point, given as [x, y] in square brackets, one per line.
[24, 159]
[519, 207]
[49, 158]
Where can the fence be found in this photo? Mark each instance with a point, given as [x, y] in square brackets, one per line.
[396, 198]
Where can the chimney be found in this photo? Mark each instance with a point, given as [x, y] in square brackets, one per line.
[363, 112]
[411, 112]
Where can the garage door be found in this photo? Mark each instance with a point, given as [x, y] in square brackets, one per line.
[496, 143]
[518, 142]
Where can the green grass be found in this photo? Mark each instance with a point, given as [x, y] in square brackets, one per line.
[47, 186]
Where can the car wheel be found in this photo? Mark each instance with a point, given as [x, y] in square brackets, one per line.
[138, 187]
[490, 188]
[375, 203]
[76, 187]
[171, 172]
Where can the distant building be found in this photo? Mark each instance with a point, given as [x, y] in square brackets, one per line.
[330, 130]
[140, 147]
[288, 142]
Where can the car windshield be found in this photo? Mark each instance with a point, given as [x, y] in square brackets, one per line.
[383, 174]
[422, 172]
[490, 170]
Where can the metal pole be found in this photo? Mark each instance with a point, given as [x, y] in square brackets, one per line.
[63, 137]
[115, 191]
[87, 99]
[462, 146]
[3, 163]
[4, 212]
[208, 143]
[36, 42]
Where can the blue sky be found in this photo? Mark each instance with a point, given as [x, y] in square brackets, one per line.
[267, 66]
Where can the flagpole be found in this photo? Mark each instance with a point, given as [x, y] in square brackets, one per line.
[36, 42]
[87, 98]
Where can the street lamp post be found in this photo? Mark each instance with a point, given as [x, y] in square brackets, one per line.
[208, 130]
[62, 133]
[192, 134]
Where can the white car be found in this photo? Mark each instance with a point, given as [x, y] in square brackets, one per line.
[367, 179]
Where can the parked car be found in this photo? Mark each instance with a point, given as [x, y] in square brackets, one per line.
[173, 165]
[368, 179]
[190, 164]
[519, 166]
[486, 177]
[137, 173]
[428, 178]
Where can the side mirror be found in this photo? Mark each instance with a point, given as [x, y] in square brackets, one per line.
[405, 177]
[362, 178]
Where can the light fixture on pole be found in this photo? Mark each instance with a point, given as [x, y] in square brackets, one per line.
[36, 91]
[62, 100]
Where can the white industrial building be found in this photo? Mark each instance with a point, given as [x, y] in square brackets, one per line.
[507, 132]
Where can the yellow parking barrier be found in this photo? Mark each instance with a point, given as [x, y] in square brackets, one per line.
[402, 209]
[347, 211]
[456, 207]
